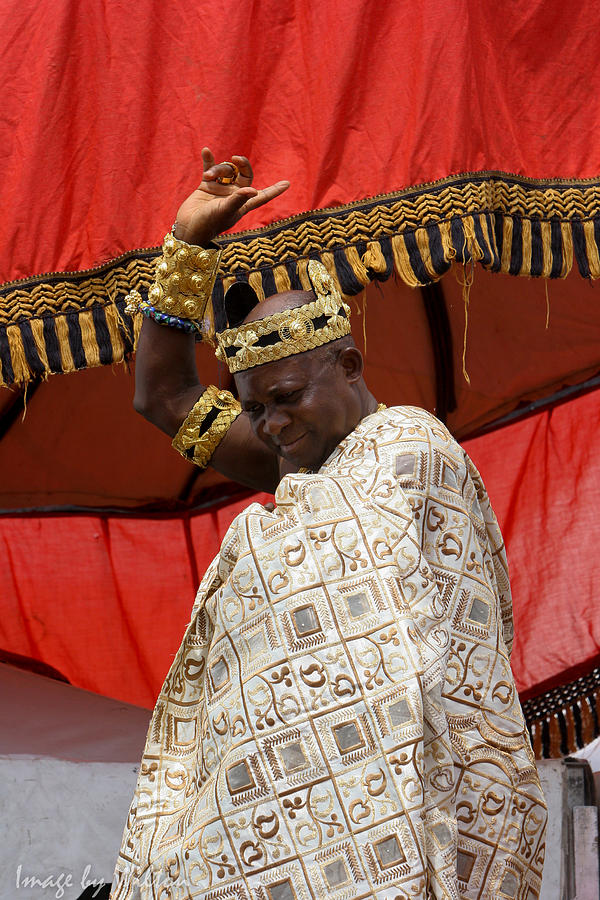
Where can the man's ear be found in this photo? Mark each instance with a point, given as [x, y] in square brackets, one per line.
[351, 360]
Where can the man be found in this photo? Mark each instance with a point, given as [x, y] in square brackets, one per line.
[341, 718]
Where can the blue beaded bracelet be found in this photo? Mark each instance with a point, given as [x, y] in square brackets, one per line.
[163, 318]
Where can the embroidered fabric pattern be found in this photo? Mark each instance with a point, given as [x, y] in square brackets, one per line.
[289, 332]
[341, 719]
[206, 425]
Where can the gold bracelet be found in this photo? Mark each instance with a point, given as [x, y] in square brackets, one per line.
[185, 277]
[206, 425]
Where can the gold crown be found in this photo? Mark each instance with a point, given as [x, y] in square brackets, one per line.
[291, 331]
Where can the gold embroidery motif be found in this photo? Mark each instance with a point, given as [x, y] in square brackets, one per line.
[191, 434]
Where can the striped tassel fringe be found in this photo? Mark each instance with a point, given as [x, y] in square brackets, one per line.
[498, 243]
[566, 718]
[68, 321]
[33, 349]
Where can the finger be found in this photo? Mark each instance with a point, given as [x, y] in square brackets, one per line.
[208, 159]
[265, 196]
[246, 174]
[237, 199]
[220, 170]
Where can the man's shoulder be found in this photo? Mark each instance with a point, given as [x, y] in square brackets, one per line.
[397, 439]
[415, 422]
[412, 442]
[412, 412]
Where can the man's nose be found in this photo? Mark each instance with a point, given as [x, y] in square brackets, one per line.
[275, 421]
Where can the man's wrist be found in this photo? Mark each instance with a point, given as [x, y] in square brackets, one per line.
[199, 238]
[181, 292]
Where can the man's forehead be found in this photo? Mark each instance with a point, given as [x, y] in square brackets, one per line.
[271, 378]
[278, 302]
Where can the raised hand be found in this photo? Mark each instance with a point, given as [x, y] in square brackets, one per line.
[214, 206]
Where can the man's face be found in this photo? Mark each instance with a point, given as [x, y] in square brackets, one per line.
[301, 407]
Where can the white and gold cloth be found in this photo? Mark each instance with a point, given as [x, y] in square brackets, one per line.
[341, 719]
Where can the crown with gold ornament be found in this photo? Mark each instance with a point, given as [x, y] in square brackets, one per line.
[291, 331]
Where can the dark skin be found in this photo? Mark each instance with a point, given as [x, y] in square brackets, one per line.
[302, 406]
[296, 410]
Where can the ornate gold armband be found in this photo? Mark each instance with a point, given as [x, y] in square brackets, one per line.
[206, 425]
[185, 277]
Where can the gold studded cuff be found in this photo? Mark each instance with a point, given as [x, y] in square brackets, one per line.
[206, 425]
[184, 280]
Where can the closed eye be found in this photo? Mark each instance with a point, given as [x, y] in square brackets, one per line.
[289, 395]
[254, 409]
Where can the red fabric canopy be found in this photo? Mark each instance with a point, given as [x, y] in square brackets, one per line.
[105, 108]
[105, 600]
[415, 137]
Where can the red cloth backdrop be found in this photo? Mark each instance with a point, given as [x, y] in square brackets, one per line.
[105, 107]
[105, 600]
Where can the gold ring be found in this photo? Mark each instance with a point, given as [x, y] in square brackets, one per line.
[229, 179]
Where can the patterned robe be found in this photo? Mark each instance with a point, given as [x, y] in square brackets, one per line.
[341, 719]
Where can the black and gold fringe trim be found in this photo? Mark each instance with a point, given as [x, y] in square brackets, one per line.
[65, 321]
[565, 718]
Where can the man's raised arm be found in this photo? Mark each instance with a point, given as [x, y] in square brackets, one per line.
[166, 377]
